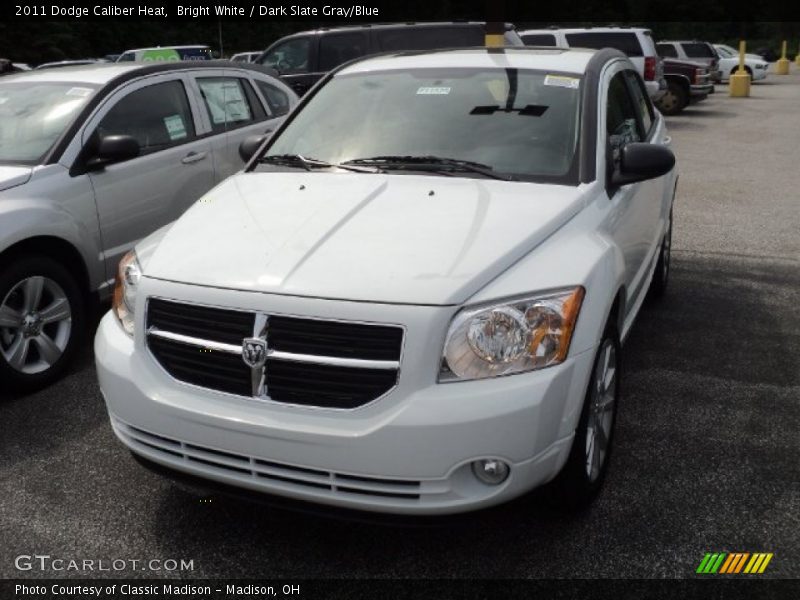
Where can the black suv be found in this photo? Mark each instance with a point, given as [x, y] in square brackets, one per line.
[303, 58]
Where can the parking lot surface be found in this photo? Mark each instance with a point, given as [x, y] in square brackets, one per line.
[707, 441]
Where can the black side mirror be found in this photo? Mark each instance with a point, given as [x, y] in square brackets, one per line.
[251, 144]
[640, 161]
[112, 149]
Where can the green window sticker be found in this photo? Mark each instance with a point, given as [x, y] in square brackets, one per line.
[176, 128]
[160, 54]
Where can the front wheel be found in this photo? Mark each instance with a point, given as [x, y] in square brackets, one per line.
[41, 319]
[579, 482]
[661, 275]
[674, 99]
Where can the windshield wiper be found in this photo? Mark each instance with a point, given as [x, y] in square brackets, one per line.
[433, 162]
[308, 163]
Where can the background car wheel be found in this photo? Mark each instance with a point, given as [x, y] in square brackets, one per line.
[661, 275]
[747, 69]
[579, 482]
[674, 99]
[42, 317]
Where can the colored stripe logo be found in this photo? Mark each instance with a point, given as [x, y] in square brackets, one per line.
[734, 563]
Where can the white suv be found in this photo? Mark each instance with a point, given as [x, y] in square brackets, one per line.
[413, 298]
[636, 43]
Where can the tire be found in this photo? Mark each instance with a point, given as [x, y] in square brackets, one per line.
[42, 319]
[747, 69]
[674, 99]
[582, 476]
[663, 267]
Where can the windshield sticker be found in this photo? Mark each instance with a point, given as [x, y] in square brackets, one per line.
[562, 81]
[3, 100]
[433, 91]
[80, 92]
[175, 127]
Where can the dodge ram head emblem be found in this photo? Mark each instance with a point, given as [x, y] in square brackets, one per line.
[254, 352]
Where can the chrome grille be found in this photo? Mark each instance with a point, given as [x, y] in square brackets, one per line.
[311, 362]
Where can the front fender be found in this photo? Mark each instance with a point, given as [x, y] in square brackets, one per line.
[22, 219]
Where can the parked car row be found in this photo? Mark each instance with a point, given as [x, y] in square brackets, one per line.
[677, 73]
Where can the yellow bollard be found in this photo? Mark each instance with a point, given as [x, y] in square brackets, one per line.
[782, 66]
[495, 34]
[740, 81]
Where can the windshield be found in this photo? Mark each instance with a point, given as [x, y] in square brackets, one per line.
[34, 115]
[516, 122]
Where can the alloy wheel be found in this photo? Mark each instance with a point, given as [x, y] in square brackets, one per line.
[35, 324]
[666, 251]
[601, 410]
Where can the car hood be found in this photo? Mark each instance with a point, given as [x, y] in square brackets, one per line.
[371, 237]
[12, 176]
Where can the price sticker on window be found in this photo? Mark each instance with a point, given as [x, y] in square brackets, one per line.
[176, 128]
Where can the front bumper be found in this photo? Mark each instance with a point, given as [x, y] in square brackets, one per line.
[700, 91]
[656, 89]
[759, 74]
[407, 453]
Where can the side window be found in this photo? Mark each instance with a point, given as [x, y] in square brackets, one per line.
[157, 116]
[127, 57]
[622, 126]
[539, 39]
[277, 99]
[625, 41]
[336, 49]
[697, 50]
[666, 51]
[642, 101]
[226, 102]
[289, 57]
[427, 38]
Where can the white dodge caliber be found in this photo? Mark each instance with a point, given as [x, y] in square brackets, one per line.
[412, 299]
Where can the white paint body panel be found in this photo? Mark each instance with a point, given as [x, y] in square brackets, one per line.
[378, 238]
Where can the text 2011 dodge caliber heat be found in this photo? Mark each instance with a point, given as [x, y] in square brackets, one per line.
[412, 299]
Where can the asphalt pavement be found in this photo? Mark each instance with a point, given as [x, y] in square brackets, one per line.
[707, 454]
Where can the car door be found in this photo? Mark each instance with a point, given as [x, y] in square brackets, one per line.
[653, 191]
[233, 110]
[174, 167]
[630, 217]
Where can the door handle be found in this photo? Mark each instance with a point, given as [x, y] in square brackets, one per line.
[193, 157]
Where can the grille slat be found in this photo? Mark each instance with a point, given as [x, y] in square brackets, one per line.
[267, 470]
[330, 338]
[214, 324]
[288, 381]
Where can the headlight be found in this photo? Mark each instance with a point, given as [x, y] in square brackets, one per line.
[127, 282]
[511, 337]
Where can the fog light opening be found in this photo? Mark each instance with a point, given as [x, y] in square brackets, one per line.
[490, 471]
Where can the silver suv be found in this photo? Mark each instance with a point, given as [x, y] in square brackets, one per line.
[637, 44]
[92, 159]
